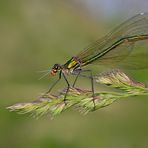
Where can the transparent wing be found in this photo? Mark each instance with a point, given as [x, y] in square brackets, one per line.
[121, 58]
[137, 59]
[137, 25]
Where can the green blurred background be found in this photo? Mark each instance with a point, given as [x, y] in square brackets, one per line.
[34, 35]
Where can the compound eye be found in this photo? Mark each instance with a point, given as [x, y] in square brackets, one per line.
[56, 66]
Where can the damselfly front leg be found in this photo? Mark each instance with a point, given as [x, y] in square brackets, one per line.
[62, 72]
[52, 86]
[68, 86]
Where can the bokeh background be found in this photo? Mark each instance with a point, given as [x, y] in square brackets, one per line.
[34, 35]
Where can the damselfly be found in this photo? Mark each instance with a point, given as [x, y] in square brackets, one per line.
[126, 46]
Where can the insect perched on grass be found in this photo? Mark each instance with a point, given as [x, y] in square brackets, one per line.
[126, 46]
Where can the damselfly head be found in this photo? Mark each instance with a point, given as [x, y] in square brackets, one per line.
[55, 69]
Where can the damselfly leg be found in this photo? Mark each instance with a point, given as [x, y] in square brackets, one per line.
[90, 76]
[68, 86]
[52, 86]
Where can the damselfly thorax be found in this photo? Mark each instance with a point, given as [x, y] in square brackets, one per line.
[68, 68]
